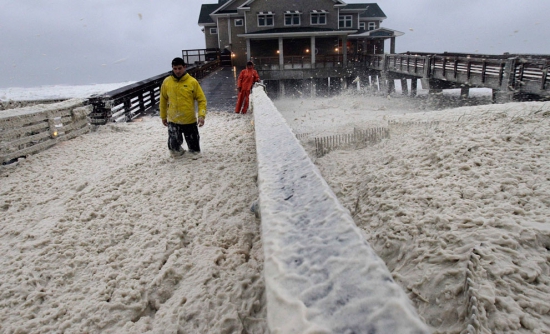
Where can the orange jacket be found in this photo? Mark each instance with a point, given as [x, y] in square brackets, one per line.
[247, 78]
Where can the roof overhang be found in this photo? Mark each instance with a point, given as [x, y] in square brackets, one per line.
[378, 33]
[354, 10]
[246, 5]
[368, 18]
[224, 14]
[222, 7]
[298, 34]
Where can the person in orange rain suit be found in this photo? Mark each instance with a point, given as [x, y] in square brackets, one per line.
[246, 79]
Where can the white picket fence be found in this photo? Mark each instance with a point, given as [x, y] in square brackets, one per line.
[28, 130]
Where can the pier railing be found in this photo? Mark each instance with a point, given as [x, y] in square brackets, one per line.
[129, 102]
[514, 74]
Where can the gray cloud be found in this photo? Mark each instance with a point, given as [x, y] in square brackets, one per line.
[98, 41]
[470, 26]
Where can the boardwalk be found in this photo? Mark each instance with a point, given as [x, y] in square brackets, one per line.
[106, 233]
[220, 89]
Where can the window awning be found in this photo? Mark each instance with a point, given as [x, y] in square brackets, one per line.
[322, 11]
[293, 12]
[265, 13]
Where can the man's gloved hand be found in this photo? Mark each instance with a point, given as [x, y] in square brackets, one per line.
[165, 122]
[201, 121]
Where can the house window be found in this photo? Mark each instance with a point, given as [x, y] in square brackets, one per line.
[318, 17]
[345, 21]
[265, 19]
[239, 22]
[362, 25]
[213, 31]
[292, 18]
[372, 25]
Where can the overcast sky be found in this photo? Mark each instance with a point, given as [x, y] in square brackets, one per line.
[56, 42]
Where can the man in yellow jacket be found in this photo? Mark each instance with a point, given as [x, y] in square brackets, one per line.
[178, 94]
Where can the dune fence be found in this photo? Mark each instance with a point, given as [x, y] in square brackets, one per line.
[28, 130]
[359, 138]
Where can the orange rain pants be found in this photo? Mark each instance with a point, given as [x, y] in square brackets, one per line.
[242, 101]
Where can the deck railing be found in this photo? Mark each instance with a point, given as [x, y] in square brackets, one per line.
[298, 62]
[129, 102]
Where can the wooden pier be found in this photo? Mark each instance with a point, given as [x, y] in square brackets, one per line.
[511, 77]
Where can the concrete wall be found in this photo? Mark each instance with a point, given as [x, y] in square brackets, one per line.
[321, 275]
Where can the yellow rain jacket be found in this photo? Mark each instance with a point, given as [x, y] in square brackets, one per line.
[177, 99]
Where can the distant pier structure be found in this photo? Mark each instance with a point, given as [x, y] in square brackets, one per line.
[510, 76]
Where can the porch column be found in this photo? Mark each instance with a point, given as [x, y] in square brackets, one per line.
[281, 57]
[345, 50]
[248, 49]
[392, 45]
[312, 51]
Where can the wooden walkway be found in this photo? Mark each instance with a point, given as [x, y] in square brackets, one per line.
[220, 88]
[510, 76]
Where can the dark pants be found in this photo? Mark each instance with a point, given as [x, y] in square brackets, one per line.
[189, 131]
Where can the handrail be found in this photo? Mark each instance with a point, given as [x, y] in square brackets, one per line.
[128, 102]
[200, 56]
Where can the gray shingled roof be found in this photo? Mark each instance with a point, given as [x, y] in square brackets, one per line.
[206, 10]
[373, 9]
[355, 6]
